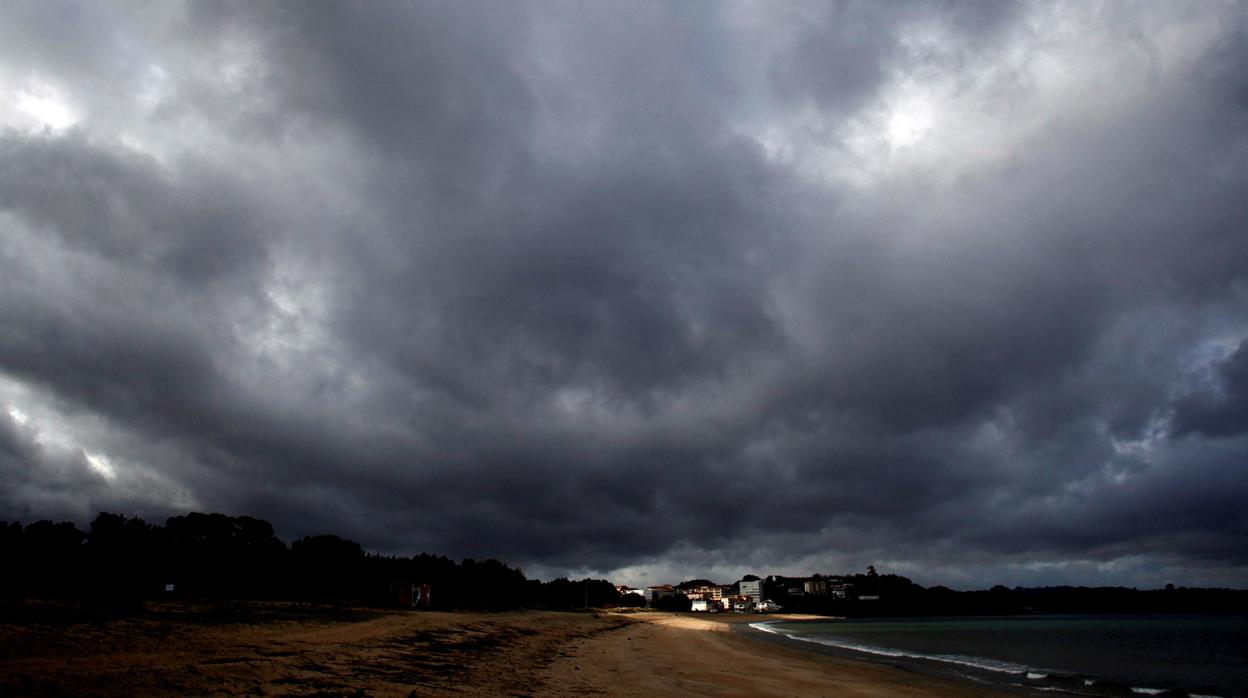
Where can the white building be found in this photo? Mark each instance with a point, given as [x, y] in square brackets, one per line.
[740, 604]
[704, 605]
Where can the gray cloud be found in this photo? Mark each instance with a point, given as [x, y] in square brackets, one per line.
[665, 289]
[1219, 409]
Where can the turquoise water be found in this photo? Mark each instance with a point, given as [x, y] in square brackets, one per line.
[1082, 655]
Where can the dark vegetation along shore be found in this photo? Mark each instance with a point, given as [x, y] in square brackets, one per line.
[122, 562]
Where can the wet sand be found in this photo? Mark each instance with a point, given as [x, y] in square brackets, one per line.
[289, 649]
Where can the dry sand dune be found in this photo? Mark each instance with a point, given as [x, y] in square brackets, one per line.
[275, 649]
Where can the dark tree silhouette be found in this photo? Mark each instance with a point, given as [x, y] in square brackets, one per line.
[121, 558]
[679, 602]
[219, 554]
[326, 566]
[51, 555]
[123, 561]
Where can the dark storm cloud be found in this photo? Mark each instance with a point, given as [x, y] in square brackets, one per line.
[670, 287]
[123, 208]
[1219, 409]
[37, 485]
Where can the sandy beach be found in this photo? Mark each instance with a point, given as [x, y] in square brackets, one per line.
[288, 649]
[675, 655]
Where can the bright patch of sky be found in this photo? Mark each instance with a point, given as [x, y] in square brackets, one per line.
[27, 411]
[36, 106]
[18, 416]
[59, 436]
[942, 122]
[101, 464]
[911, 120]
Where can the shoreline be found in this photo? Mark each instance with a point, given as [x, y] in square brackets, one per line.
[291, 649]
[921, 668]
[1003, 676]
[679, 654]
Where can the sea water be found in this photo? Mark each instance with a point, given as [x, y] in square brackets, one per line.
[1193, 655]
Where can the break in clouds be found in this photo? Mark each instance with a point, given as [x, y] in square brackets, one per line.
[647, 290]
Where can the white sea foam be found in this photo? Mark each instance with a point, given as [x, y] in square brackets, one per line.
[982, 663]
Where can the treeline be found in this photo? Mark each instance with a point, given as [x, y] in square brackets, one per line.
[893, 595]
[122, 561]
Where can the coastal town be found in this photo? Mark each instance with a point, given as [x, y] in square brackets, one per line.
[751, 594]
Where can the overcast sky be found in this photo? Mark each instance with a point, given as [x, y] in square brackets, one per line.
[639, 289]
